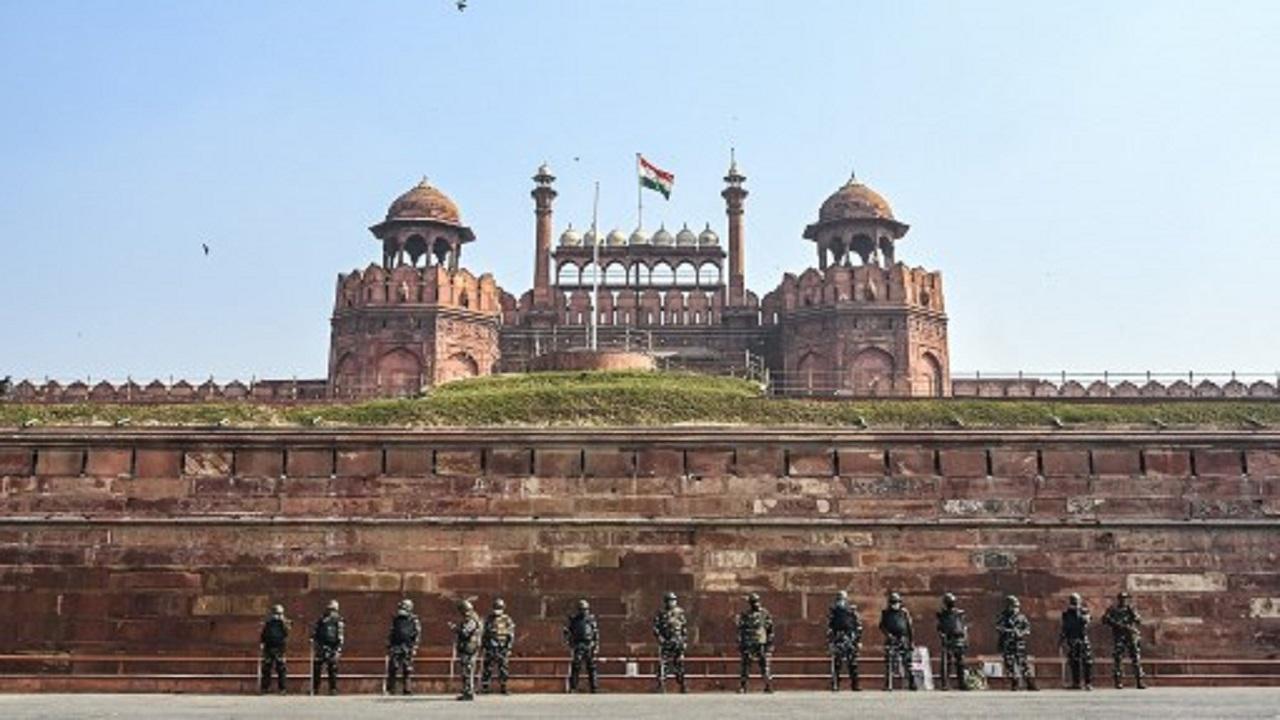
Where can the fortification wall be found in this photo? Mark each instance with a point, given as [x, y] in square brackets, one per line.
[173, 543]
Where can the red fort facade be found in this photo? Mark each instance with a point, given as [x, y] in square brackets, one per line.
[859, 323]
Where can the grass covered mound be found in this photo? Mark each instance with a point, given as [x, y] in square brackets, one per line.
[655, 399]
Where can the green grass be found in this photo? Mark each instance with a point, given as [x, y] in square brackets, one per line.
[652, 399]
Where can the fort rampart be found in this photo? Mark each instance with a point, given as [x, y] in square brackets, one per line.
[172, 543]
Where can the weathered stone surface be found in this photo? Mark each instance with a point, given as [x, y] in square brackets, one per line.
[1177, 582]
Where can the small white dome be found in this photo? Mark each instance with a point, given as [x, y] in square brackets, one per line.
[663, 237]
[708, 236]
[686, 236]
[639, 237]
[616, 237]
[589, 238]
[570, 236]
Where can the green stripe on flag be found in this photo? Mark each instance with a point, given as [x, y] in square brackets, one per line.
[655, 185]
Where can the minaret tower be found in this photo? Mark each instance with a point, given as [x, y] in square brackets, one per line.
[734, 197]
[543, 194]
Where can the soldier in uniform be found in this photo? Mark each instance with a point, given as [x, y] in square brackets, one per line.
[466, 642]
[844, 638]
[1013, 628]
[327, 639]
[755, 642]
[899, 638]
[953, 632]
[1075, 636]
[402, 645]
[582, 635]
[499, 636]
[1126, 638]
[671, 627]
[273, 639]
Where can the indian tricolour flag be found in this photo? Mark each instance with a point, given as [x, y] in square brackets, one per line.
[655, 178]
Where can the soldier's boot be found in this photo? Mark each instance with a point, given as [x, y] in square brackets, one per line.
[835, 679]
[911, 681]
[1088, 676]
[593, 680]
[405, 687]
[1139, 682]
[1030, 682]
[1118, 680]
[853, 681]
[283, 681]
[1075, 675]
[1013, 682]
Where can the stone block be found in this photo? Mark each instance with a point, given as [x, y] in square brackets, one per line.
[1015, 463]
[1116, 461]
[1167, 462]
[407, 461]
[56, 461]
[361, 462]
[1065, 463]
[1264, 463]
[811, 463]
[158, 463]
[460, 463]
[1264, 607]
[17, 461]
[355, 581]
[731, 559]
[593, 558]
[510, 462]
[766, 461]
[987, 508]
[861, 463]
[660, 462]
[109, 462]
[609, 463]
[1223, 463]
[153, 488]
[266, 463]
[207, 463]
[1176, 582]
[911, 461]
[963, 463]
[708, 463]
[309, 462]
[562, 463]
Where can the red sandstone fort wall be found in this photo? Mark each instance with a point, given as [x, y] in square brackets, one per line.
[174, 543]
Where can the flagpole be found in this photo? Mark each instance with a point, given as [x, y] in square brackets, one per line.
[639, 195]
[595, 264]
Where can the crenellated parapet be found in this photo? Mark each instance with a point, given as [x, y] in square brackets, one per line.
[405, 285]
[858, 286]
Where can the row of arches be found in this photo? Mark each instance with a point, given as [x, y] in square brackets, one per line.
[872, 371]
[399, 372]
[660, 274]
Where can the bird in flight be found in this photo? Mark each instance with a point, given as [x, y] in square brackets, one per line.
[462, 5]
[205, 247]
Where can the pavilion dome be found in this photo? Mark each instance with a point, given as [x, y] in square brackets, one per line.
[686, 236]
[424, 201]
[639, 237]
[663, 237]
[570, 237]
[708, 236]
[855, 201]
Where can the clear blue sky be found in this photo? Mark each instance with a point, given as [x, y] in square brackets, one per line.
[1099, 182]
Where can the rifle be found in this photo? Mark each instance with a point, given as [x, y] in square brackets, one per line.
[314, 679]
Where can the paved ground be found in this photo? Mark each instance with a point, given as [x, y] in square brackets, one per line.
[1165, 704]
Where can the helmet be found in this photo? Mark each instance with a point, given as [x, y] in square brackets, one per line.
[895, 598]
[583, 605]
[1011, 601]
[949, 600]
[277, 609]
[333, 605]
[1123, 598]
[753, 598]
[406, 604]
[669, 598]
[1074, 600]
[842, 596]
[499, 604]
[464, 606]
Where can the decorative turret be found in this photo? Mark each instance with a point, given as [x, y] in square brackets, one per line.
[543, 195]
[856, 220]
[422, 224]
[735, 196]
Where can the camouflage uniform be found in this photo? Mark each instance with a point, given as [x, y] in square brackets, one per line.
[402, 645]
[844, 638]
[755, 642]
[466, 642]
[953, 634]
[327, 639]
[582, 635]
[1014, 627]
[499, 637]
[1126, 638]
[899, 638]
[671, 627]
[1075, 637]
[273, 638]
